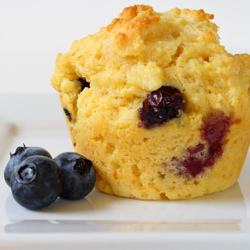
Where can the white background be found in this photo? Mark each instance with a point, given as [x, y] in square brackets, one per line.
[33, 32]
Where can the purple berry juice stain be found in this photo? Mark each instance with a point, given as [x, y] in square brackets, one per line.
[213, 131]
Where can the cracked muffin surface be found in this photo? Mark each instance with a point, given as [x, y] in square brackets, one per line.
[157, 104]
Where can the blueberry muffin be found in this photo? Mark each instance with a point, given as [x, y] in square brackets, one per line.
[157, 104]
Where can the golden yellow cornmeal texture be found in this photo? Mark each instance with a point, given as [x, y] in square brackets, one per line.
[104, 79]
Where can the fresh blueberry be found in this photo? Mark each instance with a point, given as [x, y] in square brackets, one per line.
[20, 154]
[78, 175]
[36, 182]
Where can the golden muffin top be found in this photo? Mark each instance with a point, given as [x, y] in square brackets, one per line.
[143, 50]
